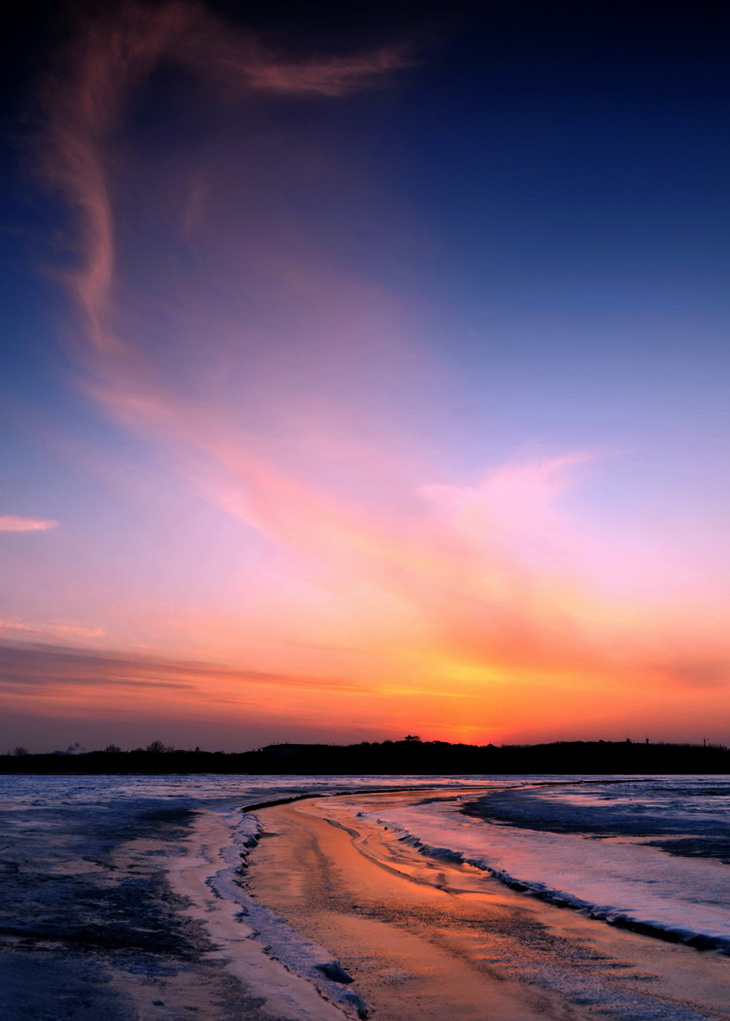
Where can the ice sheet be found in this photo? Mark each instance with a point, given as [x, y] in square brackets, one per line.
[625, 883]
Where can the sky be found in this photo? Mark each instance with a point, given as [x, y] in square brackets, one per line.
[364, 372]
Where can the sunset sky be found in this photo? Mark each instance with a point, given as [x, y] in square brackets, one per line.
[364, 372]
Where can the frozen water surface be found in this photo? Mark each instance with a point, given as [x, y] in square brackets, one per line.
[121, 895]
[650, 854]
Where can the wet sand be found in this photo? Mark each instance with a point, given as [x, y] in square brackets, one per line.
[429, 939]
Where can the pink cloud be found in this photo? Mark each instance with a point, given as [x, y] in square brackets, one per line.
[112, 55]
[111, 58]
[15, 523]
[53, 631]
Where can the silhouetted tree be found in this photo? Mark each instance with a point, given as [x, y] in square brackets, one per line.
[158, 748]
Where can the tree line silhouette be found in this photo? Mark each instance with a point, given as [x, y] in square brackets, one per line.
[410, 756]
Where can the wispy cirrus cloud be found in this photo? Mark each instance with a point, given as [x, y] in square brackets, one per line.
[16, 523]
[113, 54]
[224, 454]
[27, 667]
[70, 631]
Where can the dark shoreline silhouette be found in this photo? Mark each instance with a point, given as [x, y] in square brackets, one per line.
[409, 757]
